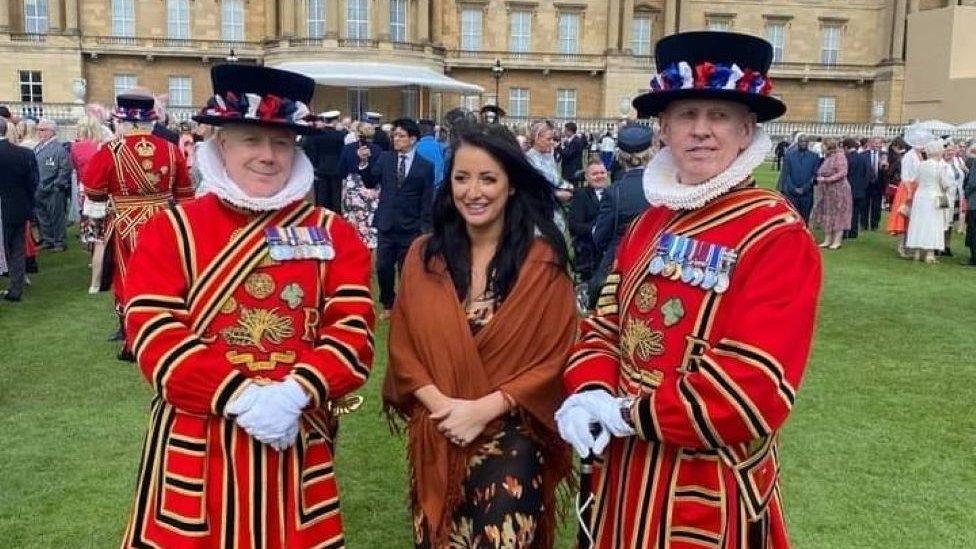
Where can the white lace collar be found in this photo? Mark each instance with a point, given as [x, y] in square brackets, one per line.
[661, 186]
[215, 181]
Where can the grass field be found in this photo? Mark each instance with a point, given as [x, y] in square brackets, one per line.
[879, 451]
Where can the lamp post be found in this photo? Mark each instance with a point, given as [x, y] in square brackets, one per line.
[496, 72]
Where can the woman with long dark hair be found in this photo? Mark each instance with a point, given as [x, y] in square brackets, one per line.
[478, 339]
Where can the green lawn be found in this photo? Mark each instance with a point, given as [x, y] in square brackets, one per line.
[879, 452]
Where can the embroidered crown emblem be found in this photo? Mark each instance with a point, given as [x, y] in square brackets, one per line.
[145, 148]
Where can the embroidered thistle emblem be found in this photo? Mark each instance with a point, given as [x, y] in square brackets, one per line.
[256, 325]
[640, 340]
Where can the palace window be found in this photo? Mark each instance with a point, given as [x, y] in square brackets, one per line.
[830, 50]
[181, 91]
[316, 18]
[35, 16]
[826, 109]
[398, 20]
[178, 19]
[471, 102]
[232, 20]
[31, 87]
[410, 97]
[723, 24]
[776, 34]
[568, 33]
[518, 102]
[123, 83]
[357, 19]
[520, 31]
[640, 37]
[358, 101]
[471, 25]
[565, 103]
[123, 18]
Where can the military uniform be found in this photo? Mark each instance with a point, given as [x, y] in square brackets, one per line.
[137, 175]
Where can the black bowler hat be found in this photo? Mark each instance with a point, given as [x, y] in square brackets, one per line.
[258, 96]
[712, 65]
[498, 111]
[133, 107]
[634, 138]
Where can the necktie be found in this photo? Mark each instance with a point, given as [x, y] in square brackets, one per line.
[599, 195]
[402, 170]
[874, 162]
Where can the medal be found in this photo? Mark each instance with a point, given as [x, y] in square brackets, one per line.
[698, 272]
[658, 263]
[678, 258]
[688, 271]
[710, 278]
[724, 277]
[670, 266]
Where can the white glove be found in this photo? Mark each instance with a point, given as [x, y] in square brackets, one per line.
[242, 402]
[275, 411]
[573, 422]
[286, 441]
[606, 409]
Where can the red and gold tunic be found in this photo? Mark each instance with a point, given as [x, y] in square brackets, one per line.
[138, 174]
[715, 376]
[206, 310]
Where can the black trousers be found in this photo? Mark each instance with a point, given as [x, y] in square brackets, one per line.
[328, 192]
[391, 249]
[858, 207]
[871, 216]
[970, 235]
[13, 246]
[803, 204]
[52, 217]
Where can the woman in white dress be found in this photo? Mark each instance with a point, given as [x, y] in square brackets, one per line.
[956, 172]
[927, 222]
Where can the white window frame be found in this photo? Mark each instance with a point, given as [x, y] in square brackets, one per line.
[316, 24]
[519, 102]
[718, 24]
[641, 31]
[410, 96]
[34, 81]
[358, 101]
[36, 17]
[123, 82]
[178, 19]
[566, 103]
[123, 18]
[776, 35]
[471, 102]
[826, 109]
[568, 31]
[180, 91]
[830, 45]
[357, 19]
[232, 20]
[398, 21]
[520, 31]
[472, 29]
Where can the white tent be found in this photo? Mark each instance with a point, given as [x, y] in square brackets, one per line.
[967, 126]
[377, 75]
[936, 126]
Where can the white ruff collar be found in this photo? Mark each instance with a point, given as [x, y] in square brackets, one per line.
[661, 186]
[215, 181]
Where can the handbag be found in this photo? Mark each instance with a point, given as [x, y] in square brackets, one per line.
[943, 202]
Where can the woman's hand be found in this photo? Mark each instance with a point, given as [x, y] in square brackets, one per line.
[462, 421]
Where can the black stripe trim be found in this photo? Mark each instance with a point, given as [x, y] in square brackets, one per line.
[694, 535]
[699, 416]
[646, 419]
[355, 323]
[324, 510]
[187, 445]
[230, 479]
[353, 292]
[229, 389]
[314, 381]
[722, 216]
[150, 449]
[762, 231]
[163, 479]
[757, 423]
[152, 328]
[309, 477]
[184, 235]
[691, 493]
[228, 250]
[347, 353]
[338, 544]
[189, 486]
[257, 491]
[642, 529]
[177, 354]
[157, 304]
[770, 366]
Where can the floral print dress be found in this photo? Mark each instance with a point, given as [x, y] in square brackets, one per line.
[359, 206]
[501, 494]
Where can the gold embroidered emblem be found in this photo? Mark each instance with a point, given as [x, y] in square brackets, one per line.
[251, 363]
[259, 285]
[673, 311]
[651, 378]
[293, 294]
[346, 404]
[266, 261]
[147, 164]
[646, 297]
[638, 339]
[229, 306]
[311, 324]
[254, 326]
[144, 147]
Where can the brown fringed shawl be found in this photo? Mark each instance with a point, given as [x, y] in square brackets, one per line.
[522, 351]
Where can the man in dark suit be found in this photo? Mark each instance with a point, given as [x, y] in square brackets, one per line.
[878, 163]
[323, 149]
[406, 182]
[798, 174]
[858, 176]
[19, 178]
[583, 211]
[380, 137]
[623, 202]
[571, 152]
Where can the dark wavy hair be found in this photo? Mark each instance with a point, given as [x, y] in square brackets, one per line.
[528, 210]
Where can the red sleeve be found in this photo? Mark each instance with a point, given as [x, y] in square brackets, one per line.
[343, 354]
[744, 386]
[594, 359]
[182, 369]
[98, 174]
[182, 185]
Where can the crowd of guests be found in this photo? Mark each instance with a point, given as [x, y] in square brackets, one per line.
[841, 186]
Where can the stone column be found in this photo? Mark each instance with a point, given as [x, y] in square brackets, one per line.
[436, 21]
[287, 18]
[332, 19]
[613, 26]
[898, 30]
[627, 27]
[4, 16]
[70, 15]
[380, 23]
[422, 19]
[54, 16]
[270, 19]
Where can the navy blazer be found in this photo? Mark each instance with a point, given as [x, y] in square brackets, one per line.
[858, 173]
[798, 172]
[403, 209]
[19, 178]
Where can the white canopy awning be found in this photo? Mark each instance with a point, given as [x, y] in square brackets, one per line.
[936, 125]
[376, 75]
